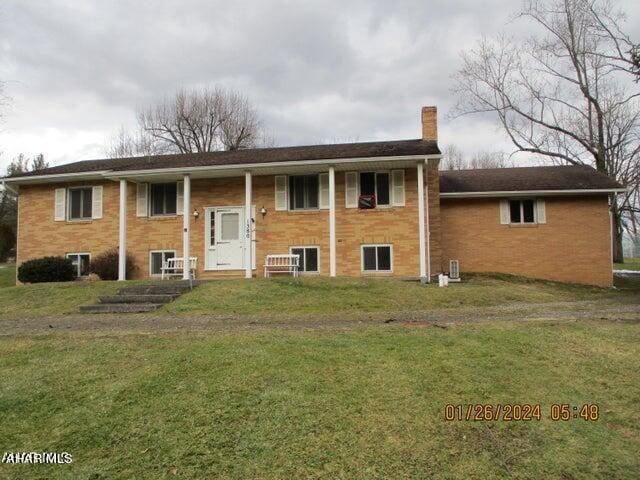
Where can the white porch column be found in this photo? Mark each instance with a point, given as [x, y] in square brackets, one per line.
[332, 222]
[186, 233]
[428, 228]
[421, 223]
[248, 244]
[122, 238]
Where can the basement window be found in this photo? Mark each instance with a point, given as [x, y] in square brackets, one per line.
[376, 258]
[80, 262]
[522, 211]
[157, 258]
[308, 258]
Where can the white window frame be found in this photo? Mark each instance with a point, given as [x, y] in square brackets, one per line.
[150, 201]
[317, 248]
[151, 252]
[521, 200]
[77, 254]
[289, 203]
[68, 205]
[375, 181]
[363, 246]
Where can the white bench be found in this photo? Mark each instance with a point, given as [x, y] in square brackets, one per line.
[288, 264]
[174, 267]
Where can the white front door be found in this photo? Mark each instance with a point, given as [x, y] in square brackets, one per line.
[224, 238]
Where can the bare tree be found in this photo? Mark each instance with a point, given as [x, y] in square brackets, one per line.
[560, 92]
[139, 143]
[202, 120]
[453, 159]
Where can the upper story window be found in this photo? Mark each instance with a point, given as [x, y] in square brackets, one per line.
[377, 184]
[365, 190]
[522, 211]
[80, 203]
[77, 203]
[304, 192]
[163, 198]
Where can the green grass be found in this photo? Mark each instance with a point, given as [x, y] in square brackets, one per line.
[363, 404]
[312, 297]
[51, 298]
[7, 275]
[323, 296]
[629, 264]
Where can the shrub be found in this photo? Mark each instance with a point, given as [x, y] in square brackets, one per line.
[47, 269]
[7, 242]
[105, 265]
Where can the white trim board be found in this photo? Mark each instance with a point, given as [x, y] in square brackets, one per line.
[529, 193]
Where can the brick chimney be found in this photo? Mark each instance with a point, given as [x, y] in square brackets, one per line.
[430, 123]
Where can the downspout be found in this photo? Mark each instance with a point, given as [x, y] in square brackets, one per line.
[426, 164]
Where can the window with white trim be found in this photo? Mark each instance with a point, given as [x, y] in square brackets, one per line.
[522, 211]
[377, 184]
[304, 192]
[163, 198]
[309, 258]
[377, 258]
[80, 262]
[80, 203]
[157, 258]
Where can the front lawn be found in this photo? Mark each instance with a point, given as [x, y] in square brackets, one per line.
[284, 297]
[629, 264]
[364, 404]
[316, 297]
[7, 275]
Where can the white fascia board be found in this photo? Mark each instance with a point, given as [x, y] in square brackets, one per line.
[57, 177]
[528, 193]
[243, 167]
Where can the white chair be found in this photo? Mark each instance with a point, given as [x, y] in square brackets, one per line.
[174, 267]
[288, 264]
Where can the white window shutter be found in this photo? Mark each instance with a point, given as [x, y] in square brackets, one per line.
[352, 189]
[397, 188]
[541, 211]
[142, 200]
[324, 190]
[281, 192]
[505, 214]
[96, 203]
[180, 198]
[60, 207]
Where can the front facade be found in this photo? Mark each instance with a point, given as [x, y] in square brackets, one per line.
[370, 209]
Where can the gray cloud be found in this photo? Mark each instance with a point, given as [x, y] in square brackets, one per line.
[317, 71]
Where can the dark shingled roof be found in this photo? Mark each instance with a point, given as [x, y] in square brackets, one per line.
[525, 179]
[250, 156]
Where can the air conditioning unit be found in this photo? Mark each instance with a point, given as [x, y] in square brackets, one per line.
[454, 270]
[367, 201]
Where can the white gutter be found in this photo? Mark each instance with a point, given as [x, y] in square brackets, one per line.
[539, 193]
[56, 177]
[251, 166]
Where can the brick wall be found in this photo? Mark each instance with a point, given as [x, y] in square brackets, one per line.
[573, 246]
[40, 235]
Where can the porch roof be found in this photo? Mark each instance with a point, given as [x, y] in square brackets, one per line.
[232, 160]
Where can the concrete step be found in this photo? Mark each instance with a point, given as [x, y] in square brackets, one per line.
[139, 298]
[169, 289]
[120, 307]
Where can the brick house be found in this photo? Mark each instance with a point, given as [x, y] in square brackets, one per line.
[359, 209]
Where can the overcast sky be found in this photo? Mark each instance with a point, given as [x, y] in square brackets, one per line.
[318, 72]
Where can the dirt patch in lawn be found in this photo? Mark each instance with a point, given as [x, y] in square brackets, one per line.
[560, 311]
